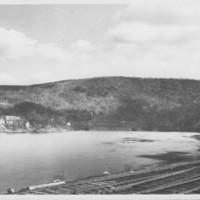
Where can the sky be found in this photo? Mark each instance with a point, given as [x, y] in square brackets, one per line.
[45, 43]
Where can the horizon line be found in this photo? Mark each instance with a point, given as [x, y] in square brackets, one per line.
[95, 77]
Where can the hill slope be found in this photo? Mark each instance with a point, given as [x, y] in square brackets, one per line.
[112, 103]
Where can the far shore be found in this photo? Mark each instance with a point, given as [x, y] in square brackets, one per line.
[63, 130]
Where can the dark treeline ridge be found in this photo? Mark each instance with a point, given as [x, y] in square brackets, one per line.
[108, 103]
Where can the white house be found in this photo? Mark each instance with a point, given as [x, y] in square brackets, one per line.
[10, 120]
[14, 121]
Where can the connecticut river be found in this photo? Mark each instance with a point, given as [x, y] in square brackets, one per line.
[29, 159]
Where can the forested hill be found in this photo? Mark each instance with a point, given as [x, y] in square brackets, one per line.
[110, 103]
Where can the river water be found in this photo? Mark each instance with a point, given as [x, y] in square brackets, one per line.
[29, 159]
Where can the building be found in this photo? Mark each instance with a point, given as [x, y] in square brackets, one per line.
[14, 122]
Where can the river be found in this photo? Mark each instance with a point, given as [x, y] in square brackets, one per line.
[29, 159]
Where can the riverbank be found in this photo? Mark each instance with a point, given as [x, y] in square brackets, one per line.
[60, 129]
[151, 180]
[35, 130]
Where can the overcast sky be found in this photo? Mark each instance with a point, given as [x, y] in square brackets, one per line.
[43, 43]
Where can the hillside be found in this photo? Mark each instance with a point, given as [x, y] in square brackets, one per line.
[109, 103]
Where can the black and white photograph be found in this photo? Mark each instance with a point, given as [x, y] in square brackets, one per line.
[100, 99]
